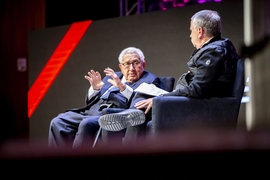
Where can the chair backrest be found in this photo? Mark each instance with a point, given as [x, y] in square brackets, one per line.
[239, 83]
[167, 83]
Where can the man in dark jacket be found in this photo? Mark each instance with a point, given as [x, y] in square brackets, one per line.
[78, 126]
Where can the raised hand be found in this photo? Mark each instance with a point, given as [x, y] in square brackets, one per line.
[115, 81]
[94, 79]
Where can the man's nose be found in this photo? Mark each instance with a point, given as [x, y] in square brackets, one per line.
[132, 66]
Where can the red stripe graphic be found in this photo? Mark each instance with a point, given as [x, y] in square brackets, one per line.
[55, 64]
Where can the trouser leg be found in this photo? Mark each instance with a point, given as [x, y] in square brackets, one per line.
[63, 128]
[111, 137]
[86, 132]
[135, 133]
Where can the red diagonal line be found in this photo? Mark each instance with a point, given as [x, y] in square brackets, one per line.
[55, 64]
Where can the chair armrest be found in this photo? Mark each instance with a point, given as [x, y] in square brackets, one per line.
[175, 112]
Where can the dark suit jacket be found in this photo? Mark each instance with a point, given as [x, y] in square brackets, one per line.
[117, 98]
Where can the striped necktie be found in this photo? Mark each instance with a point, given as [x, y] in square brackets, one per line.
[107, 93]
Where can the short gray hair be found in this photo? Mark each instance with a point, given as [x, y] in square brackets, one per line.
[209, 20]
[131, 50]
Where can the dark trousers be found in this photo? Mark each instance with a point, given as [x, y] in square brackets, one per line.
[74, 129]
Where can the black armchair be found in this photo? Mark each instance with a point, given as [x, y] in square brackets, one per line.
[176, 112]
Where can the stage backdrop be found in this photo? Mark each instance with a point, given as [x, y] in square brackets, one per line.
[163, 36]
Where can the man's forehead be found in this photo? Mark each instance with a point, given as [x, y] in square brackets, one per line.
[131, 56]
[191, 24]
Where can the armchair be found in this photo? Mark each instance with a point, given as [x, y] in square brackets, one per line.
[176, 112]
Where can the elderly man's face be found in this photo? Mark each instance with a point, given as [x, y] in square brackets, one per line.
[132, 67]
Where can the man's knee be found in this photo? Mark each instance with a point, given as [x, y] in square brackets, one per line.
[89, 124]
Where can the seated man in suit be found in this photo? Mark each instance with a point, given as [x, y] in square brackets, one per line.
[211, 68]
[76, 127]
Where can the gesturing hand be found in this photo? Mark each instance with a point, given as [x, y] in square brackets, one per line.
[94, 79]
[115, 81]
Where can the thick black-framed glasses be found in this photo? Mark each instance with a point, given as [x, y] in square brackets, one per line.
[135, 63]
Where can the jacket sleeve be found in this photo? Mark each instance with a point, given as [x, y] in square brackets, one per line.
[208, 69]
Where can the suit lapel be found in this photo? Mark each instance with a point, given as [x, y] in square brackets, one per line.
[107, 85]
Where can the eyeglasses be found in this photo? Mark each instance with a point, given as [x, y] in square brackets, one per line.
[135, 64]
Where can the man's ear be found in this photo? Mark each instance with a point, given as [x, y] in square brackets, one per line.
[144, 64]
[200, 32]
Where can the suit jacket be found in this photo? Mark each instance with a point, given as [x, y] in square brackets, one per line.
[118, 100]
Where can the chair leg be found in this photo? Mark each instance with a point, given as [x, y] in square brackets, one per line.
[96, 138]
